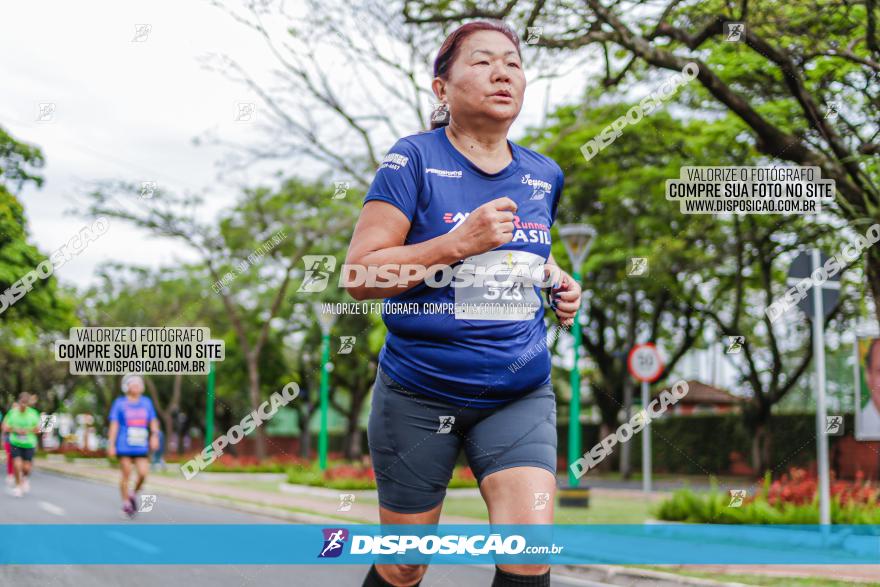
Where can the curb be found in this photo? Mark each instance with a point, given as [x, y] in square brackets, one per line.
[627, 577]
[242, 506]
[297, 489]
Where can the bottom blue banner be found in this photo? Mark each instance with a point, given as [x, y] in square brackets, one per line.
[223, 544]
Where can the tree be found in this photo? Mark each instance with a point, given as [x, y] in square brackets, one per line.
[774, 357]
[251, 256]
[805, 80]
[136, 296]
[620, 195]
[44, 306]
[28, 323]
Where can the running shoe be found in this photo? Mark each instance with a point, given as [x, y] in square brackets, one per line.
[25, 485]
[133, 501]
[16, 492]
[127, 510]
[10, 480]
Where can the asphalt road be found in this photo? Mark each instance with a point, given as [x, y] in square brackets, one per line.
[55, 499]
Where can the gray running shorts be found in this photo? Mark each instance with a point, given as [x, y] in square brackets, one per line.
[415, 441]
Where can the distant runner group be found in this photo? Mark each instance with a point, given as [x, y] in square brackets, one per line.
[133, 434]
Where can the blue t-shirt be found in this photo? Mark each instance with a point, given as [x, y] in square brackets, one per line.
[469, 360]
[134, 424]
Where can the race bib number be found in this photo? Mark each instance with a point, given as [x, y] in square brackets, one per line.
[498, 285]
[136, 436]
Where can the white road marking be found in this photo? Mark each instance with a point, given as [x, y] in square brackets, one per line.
[51, 508]
[134, 542]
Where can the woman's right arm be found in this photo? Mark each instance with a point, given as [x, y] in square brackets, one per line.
[111, 438]
[381, 231]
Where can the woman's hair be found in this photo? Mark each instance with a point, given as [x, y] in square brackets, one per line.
[450, 47]
[127, 379]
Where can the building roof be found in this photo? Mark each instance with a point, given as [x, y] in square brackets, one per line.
[700, 393]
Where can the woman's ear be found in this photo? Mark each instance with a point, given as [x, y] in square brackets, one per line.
[439, 88]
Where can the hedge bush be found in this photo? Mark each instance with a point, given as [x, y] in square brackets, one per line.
[702, 443]
[791, 499]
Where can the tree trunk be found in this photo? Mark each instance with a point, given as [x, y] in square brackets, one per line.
[872, 266]
[605, 429]
[626, 448]
[304, 417]
[173, 407]
[180, 430]
[761, 443]
[305, 443]
[353, 448]
[608, 409]
[254, 393]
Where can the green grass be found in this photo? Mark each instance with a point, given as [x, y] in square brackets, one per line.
[602, 510]
[270, 486]
[686, 479]
[315, 477]
[762, 580]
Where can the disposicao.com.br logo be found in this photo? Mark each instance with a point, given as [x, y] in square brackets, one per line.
[334, 540]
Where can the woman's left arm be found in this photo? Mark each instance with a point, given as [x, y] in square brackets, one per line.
[567, 292]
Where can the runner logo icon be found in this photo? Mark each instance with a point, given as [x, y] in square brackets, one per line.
[334, 539]
[446, 423]
[318, 271]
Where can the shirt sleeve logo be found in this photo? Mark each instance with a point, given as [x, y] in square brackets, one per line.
[394, 161]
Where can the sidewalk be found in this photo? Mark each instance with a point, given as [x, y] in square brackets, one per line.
[303, 508]
[318, 505]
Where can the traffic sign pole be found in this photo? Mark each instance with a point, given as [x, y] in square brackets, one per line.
[644, 364]
[625, 452]
[821, 437]
[325, 395]
[823, 299]
[209, 408]
[646, 444]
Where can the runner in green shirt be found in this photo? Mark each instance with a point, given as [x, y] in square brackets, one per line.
[22, 423]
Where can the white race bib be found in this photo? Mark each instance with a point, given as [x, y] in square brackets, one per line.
[498, 285]
[136, 436]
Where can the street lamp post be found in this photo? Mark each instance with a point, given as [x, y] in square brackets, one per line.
[325, 320]
[577, 239]
[209, 408]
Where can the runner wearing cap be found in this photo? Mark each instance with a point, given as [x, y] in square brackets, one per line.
[134, 430]
[462, 196]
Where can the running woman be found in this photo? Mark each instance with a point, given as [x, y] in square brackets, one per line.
[449, 381]
[134, 431]
[22, 423]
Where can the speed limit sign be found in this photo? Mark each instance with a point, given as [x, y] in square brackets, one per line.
[644, 362]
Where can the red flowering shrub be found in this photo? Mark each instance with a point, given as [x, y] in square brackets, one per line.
[464, 473]
[800, 486]
[345, 471]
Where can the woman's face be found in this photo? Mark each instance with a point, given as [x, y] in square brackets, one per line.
[135, 387]
[486, 79]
